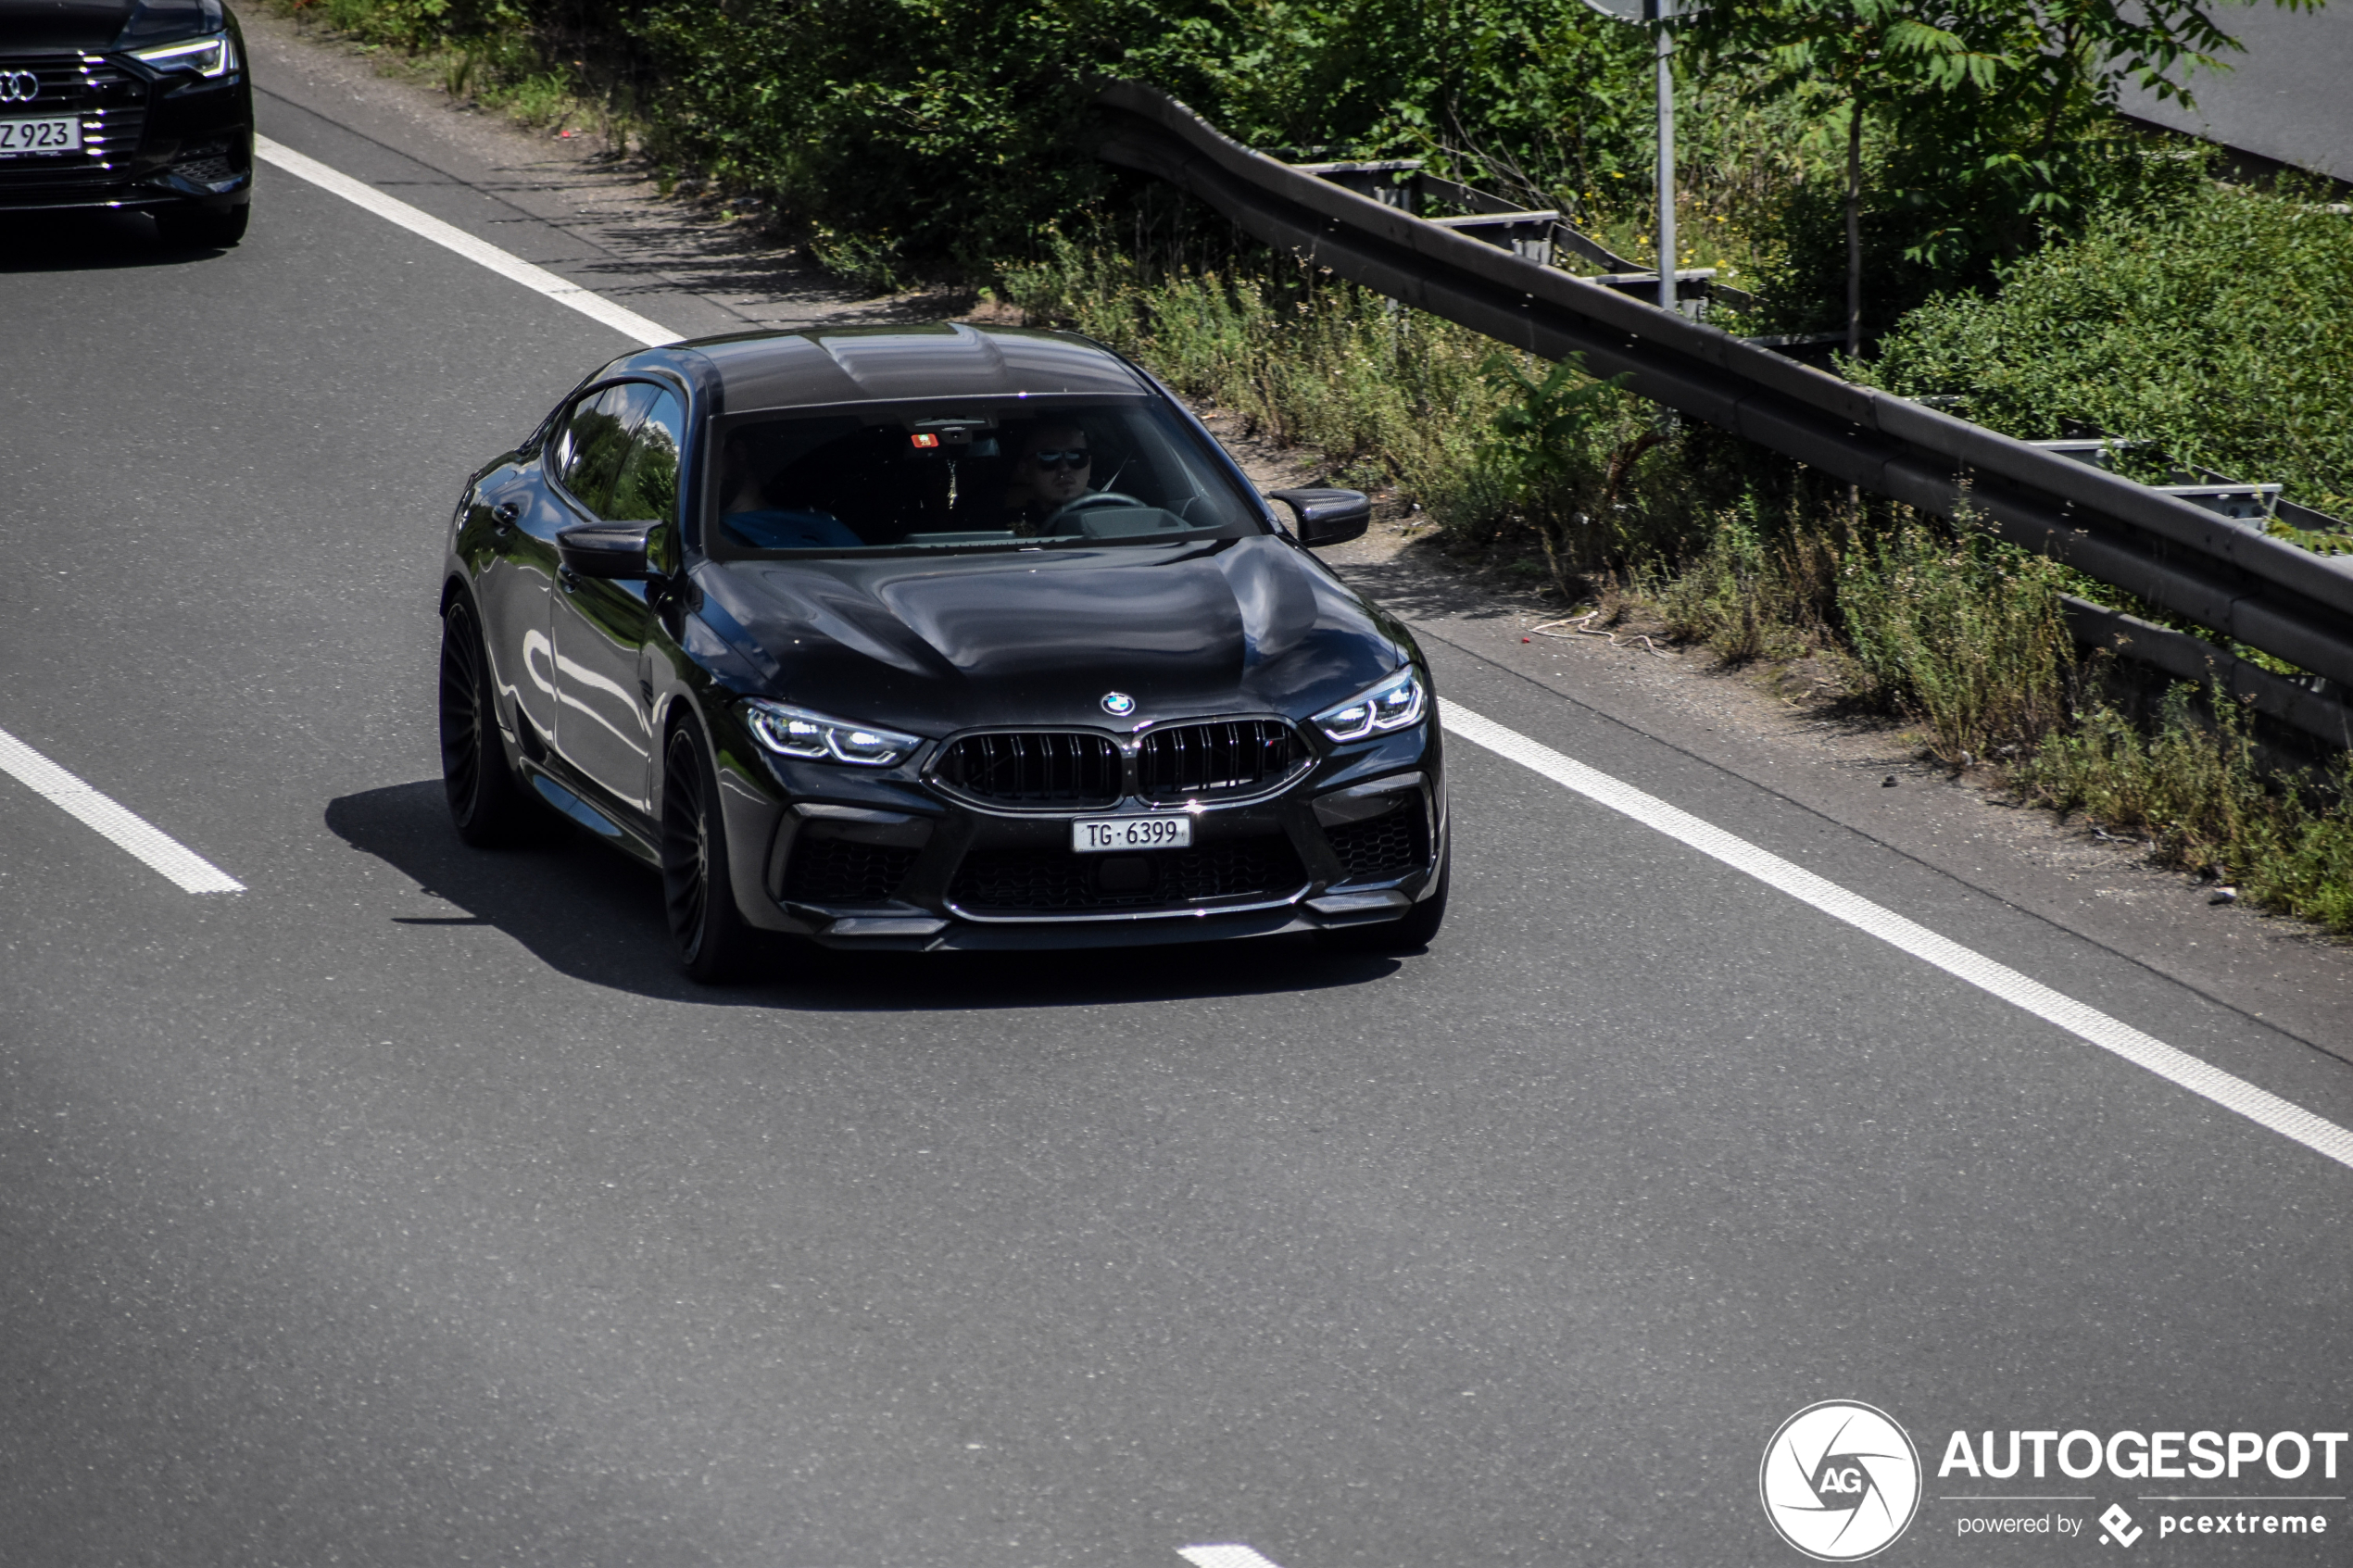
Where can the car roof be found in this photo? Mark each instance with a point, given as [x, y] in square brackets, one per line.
[899, 363]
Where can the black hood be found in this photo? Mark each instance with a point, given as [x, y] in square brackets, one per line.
[1038, 637]
[104, 24]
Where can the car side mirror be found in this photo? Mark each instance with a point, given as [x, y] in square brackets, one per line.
[605, 549]
[1327, 516]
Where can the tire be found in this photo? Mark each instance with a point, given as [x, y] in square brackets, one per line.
[709, 934]
[1416, 929]
[486, 805]
[194, 227]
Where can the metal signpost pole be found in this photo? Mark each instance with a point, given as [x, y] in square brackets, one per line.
[1656, 14]
[1665, 13]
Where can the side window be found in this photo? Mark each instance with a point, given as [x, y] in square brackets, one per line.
[596, 444]
[646, 489]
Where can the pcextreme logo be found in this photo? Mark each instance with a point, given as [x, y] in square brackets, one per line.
[1840, 1481]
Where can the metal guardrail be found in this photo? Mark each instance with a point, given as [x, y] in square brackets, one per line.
[1538, 234]
[2248, 500]
[2219, 572]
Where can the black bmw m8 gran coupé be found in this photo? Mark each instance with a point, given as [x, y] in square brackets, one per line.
[934, 637]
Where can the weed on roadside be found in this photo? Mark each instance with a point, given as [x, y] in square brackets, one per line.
[1961, 628]
[493, 53]
[1754, 593]
[2191, 783]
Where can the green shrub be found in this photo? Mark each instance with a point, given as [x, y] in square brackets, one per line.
[909, 137]
[2217, 325]
[416, 24]
[1564, 460]
[949, 131]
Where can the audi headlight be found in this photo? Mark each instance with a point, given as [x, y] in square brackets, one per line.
[1396, 703]
[207, 56]
[795, 732]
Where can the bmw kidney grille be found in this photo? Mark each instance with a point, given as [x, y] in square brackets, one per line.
[1032, 767]
[1208, 762]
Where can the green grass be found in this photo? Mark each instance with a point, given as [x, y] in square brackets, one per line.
[1951, 628]
[2193, 786]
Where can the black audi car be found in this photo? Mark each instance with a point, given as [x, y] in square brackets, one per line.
[934, 637]
[138, 104]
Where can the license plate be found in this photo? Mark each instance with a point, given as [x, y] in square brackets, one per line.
[19, 137]
[1103, 834]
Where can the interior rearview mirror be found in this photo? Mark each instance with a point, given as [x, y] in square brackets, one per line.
[604, 549]
[1327, 516]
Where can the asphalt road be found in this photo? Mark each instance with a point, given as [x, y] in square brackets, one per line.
[406, 1208]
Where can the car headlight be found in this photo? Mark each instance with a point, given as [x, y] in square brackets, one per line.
[207, 56]
[795, 732]
[1396, 703]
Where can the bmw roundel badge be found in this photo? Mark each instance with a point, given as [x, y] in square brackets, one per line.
[1119, 705]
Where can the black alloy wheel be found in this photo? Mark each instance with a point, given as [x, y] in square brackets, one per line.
[193, 228]
[708, 933]
[486, 804]
[1411, 933]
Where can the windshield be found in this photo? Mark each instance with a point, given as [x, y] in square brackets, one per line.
[971, 475]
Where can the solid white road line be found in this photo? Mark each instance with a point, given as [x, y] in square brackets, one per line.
[1223, 1557]
[562, 290]
[116, 822]
[2260, 1106]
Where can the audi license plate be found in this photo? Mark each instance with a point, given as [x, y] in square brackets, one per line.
[1131, 832]
[19, 137]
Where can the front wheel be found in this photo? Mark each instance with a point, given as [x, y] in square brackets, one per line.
[713, 941]
[1418, 928]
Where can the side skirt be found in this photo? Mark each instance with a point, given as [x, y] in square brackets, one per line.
[618, 829]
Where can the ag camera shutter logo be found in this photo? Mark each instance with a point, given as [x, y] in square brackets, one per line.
[1840, 1481]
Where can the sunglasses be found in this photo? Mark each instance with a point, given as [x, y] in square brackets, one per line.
[1078, 459]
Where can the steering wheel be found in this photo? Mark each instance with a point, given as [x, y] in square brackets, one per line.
[1069, 510]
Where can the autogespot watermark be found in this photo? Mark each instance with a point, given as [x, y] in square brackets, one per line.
[2235, 1459]
[1841, 1481]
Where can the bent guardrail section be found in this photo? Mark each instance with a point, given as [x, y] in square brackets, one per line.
[2216, 571]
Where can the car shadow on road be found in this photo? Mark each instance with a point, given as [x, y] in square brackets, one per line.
[595, 916]
[85, 241]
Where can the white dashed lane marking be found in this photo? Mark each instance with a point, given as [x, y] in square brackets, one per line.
[2260, 1106]
[1223, 1557]
[482, 252]
[112, 819]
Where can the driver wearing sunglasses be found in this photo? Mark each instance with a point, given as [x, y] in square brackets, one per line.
[1054, 470]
